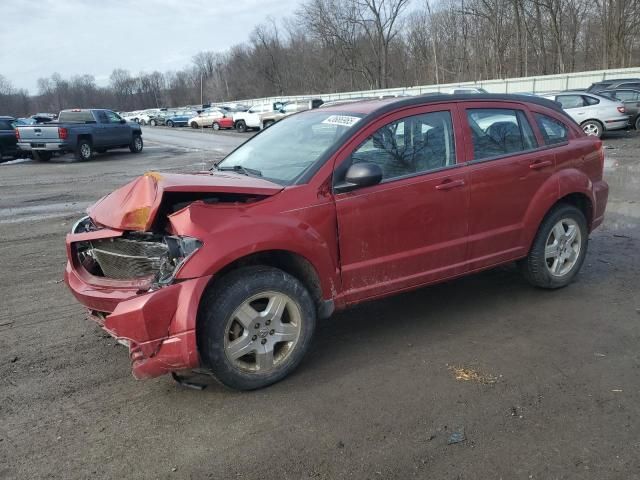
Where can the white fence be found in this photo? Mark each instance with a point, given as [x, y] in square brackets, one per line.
[539, 84]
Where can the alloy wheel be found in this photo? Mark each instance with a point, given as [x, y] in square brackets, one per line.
[591, 129]
[262, 332]
[563, 246]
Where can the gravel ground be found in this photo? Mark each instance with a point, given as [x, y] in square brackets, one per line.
[535, 384]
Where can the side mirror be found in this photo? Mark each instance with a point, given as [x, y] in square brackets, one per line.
[359, 175]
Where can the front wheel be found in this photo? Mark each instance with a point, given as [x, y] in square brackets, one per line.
[638, 123]
[215, 126]
[593, 128]
[255, 326]
[194, 125]
[84, 150]
[152, 123]
[169, 123]
[241, 126]
[558, 249]
[136, 144]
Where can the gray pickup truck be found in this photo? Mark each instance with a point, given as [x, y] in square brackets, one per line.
[81, 131]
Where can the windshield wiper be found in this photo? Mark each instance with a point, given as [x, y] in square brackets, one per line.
[239, 169]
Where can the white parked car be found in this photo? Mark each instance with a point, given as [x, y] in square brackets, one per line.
[252, 118]
[145, 116]
[595, 114]
[458, 90]
[208, 118]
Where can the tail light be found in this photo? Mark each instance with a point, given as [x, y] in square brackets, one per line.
[17, 134]
[62, 133]
[621, 109]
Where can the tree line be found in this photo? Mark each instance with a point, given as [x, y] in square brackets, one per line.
[345, 45]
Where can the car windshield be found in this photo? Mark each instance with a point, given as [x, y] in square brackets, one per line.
[284, 151]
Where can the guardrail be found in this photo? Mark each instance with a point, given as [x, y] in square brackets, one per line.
[537, 84]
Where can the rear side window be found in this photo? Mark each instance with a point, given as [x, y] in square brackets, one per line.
[627, 95]
[590, 100]
[497, 131]
[571, 101]
[552, 130]
[81, 116]
[630, 85]
[411, 145]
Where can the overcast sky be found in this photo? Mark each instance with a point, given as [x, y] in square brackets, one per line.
[74, 37]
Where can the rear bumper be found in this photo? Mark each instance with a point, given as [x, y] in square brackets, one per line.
[39, 146]
[600, 195]
[616, 123]
[158, 327]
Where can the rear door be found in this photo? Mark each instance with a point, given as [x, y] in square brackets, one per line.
[631, 101]
[576, 107]
[411, 228]
[506, 168]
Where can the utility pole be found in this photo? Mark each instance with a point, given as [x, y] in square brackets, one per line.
[201, 102]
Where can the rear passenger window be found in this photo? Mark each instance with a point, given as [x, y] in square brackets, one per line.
[497, 131]
[570, 101]
[552, 130]
[411, 145]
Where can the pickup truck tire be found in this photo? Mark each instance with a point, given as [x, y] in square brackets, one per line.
[558, 249]
[254, 326]
[39, 156]
[241, 126]
[84, 150]
[137, 144]
[593, 128]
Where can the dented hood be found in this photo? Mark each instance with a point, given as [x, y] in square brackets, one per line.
[134, 206]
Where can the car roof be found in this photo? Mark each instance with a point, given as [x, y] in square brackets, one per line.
[368, 107]
[6, 117]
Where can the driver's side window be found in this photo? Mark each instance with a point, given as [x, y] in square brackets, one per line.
[112, 116]
[411, 145]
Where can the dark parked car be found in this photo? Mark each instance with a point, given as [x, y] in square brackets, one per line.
[8, 141]
[81, 131]
[630, 97]
[614, 83]
[180, 119]
[328, 208]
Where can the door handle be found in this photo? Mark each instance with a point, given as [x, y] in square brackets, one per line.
[449, 184]
[539, 165]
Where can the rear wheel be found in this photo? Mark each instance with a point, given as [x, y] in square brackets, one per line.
[592, 128]
[255, 326]
[152, 122]
[84, 150]
[215, 126]
[136, 144]
[559, 248]
[194, 125]
[40, 156]
[169, 123]
[241, 126]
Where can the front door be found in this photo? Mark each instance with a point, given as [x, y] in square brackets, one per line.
[506, 169]
[120, 132]
[411, 228]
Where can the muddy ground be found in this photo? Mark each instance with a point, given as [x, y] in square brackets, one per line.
[555, 376]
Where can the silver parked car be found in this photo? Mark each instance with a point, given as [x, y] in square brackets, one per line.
[595, 114]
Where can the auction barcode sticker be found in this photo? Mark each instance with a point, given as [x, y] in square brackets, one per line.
[343, 120]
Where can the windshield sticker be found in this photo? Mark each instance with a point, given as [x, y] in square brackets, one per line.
[344, 120]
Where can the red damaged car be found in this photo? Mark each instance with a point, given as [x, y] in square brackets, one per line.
[229, 270]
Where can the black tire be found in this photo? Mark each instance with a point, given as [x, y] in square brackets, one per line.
[215, 126]
[638, 123]
[241, 126]
[40, 156]
[170, 124]
[593, 128]
[137, 144]
[152, 122]
[535, 266]
[219, 304]
[84, 150]
[194, 125]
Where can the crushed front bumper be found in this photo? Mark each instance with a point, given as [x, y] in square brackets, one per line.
[158, 326]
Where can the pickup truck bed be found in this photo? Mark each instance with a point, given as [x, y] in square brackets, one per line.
[82, 132]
